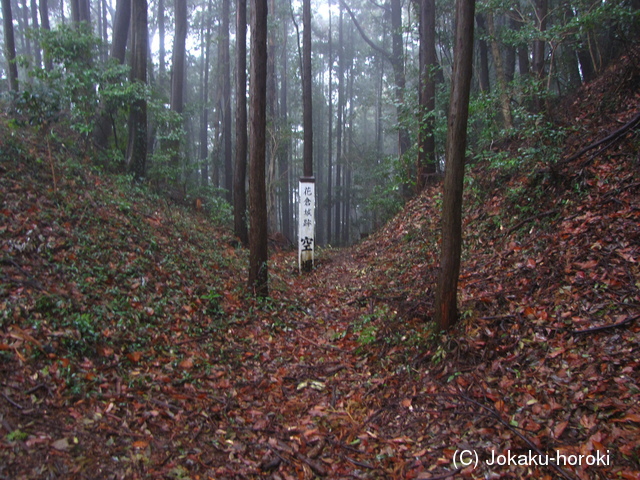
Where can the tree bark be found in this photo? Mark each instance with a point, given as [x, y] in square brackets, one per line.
[240, 173]
[483, 80]
[204, 113]
[34, 24]
[428, 63]
[179, 53]
[162, 69]
[307, 115]
[178, 74]
[283, 163]
[505, 99]
[446, 305]
[258, 254]
[397, 46]
[339, 130]
[136, 157]
[10, 45]
[330, 133]
[226, 99]
[43, 6]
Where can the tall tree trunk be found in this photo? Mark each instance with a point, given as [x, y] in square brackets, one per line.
[204, 113]
[226, 98]
[307, 115]
[240, 174]
[339, 130]
[428, 62]
[123, 17]
[177, 84]
[10, 45]
[34, 24]
[258, 254]
[446, 306]
[397, 62]
[541, 10]
[43, 5]
[25, 26]
[137, 147]
[179, 53]
[285, 196]
[483, 50]
[330, 133]
[162, 69]
[505, 99]
[80, 11]
[273, 137]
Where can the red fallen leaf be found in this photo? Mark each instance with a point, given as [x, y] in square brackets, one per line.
[187, 363]
[140, 444]
[134, 356]
[587, 265]
[628, 449]
[560, 427]
[4, 346]
[406, 403]
[531, 263]
[629, 417]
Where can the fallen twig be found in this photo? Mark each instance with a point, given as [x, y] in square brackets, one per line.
[623, 323]
[613, 136]
[17, 405]
[325, 347]
[529, 219]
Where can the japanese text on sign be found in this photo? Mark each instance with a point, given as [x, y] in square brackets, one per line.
[306, 227]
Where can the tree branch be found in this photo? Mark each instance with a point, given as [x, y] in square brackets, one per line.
[613, 136]
[364, 36]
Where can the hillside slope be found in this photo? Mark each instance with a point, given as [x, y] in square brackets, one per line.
[129, 348]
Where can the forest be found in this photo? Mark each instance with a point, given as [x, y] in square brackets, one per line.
[472, 302]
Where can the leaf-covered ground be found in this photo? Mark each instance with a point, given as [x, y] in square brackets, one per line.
[129, 348]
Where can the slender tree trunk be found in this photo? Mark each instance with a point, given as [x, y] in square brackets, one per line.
[240, 174]
[505, 99]
[258, 254]
[226, 99]
[34, 24]
[204, 113]
[428, 62]
[162, 69]
[179, 53]
[285, 130]
[541, 10]
[307, 115]
[177, 87]
[25, 26]
[137, 147]
[397, 62]
[44, 21]
[273, 137]
[446, 305]
[483, 50]
[339, 130]
[330, 133]
[10, 45]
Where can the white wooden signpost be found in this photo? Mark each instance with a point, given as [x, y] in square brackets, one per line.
[306, 223]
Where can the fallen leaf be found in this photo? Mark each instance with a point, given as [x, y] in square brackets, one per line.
[62, 444]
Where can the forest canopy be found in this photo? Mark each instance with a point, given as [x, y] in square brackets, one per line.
[380, 82]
